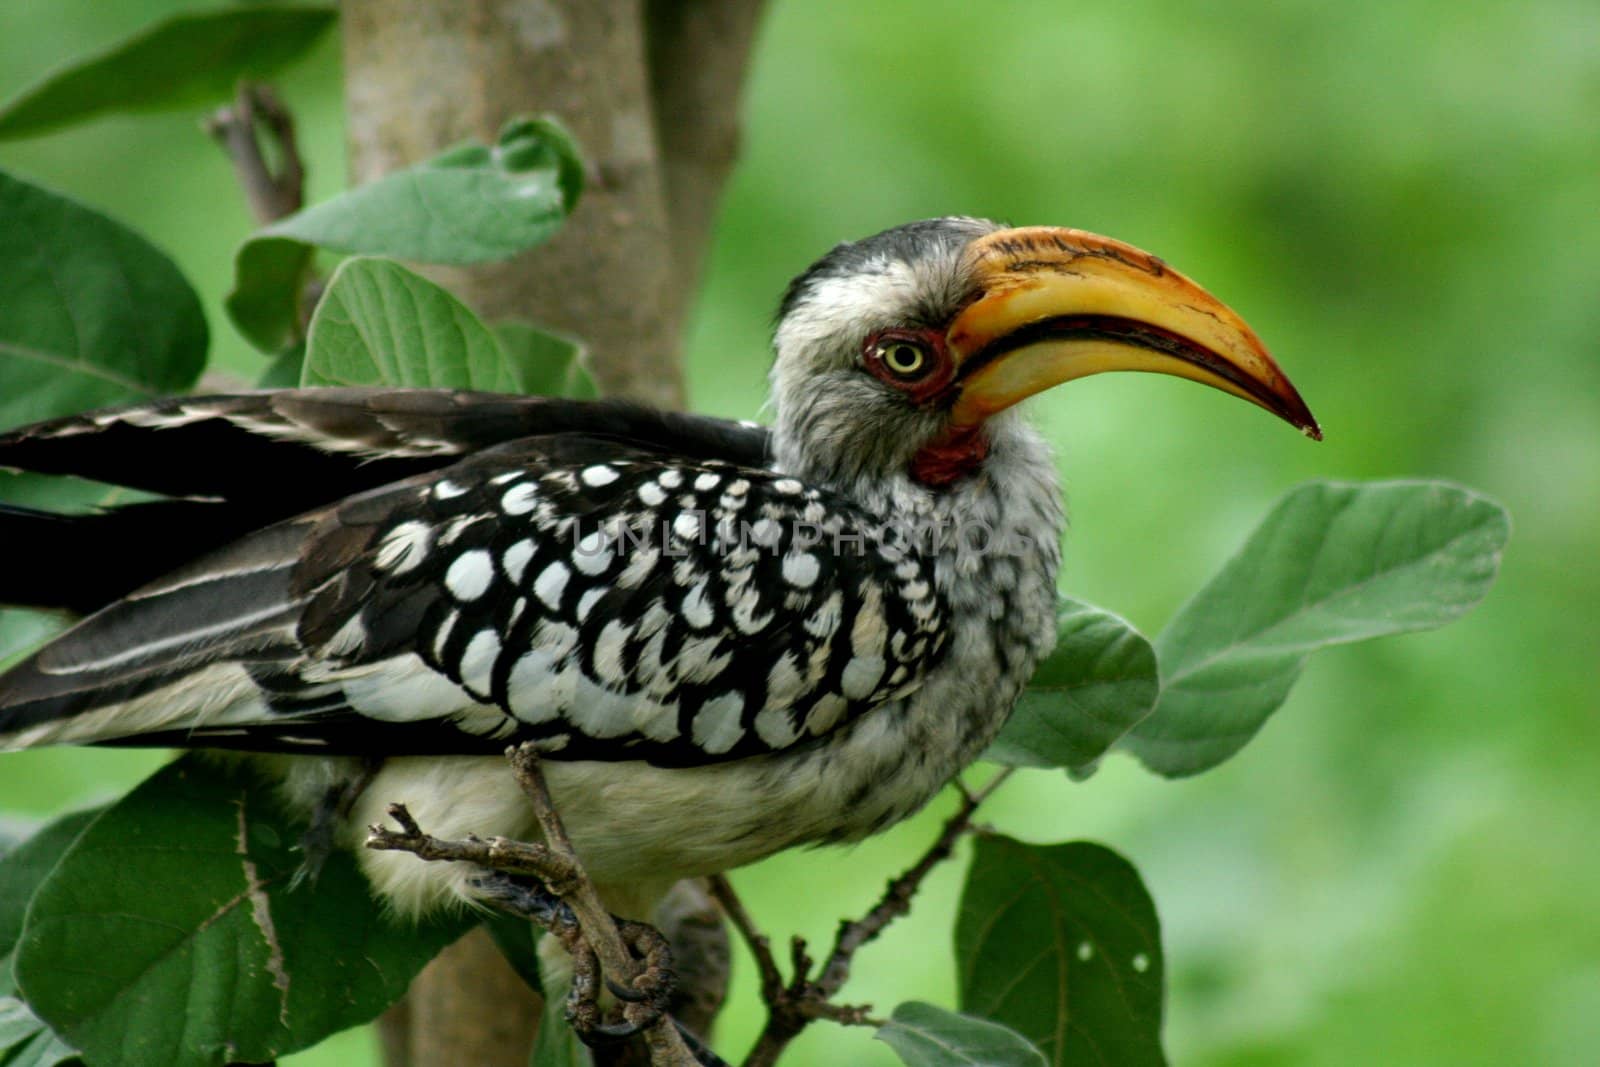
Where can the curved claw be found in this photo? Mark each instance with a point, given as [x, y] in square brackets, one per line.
[603, 1034]
[628, 993]
[702, 1052]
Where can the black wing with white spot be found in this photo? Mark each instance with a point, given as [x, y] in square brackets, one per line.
[609, 604]
[605, 598]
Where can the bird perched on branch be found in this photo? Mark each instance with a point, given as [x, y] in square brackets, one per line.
[726, 640]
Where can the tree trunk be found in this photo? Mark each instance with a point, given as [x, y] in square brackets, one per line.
[650, 89]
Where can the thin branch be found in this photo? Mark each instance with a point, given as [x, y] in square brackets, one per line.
[760, 944]
[575, 888]
[792, 1006]
[897, 898]
[272, 193]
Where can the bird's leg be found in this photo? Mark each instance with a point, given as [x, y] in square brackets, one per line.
[635, 958]
[319, 840]
[525, 898]
[654, 983]
[528, 898]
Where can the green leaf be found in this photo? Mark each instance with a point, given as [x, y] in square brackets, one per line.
[270, 275]
[472, 204]
[214, 959]
[1333, 563]
[285, 370]
[25, 1041]
[187, 60]
[22, 630]
[17, 1024]
[923, 1035]
[518, 942]
[545, 362]
[1061, 944]
[556, 1045]
[530, 142]
[24, 869]
[1100, 680]
[91, 314]
[380, 324]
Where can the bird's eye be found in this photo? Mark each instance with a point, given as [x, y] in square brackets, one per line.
[903, 358]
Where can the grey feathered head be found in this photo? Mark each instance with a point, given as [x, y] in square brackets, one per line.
[895, 353]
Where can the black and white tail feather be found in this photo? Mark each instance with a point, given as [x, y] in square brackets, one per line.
[417, 572]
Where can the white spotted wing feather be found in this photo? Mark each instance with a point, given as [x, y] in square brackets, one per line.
[621, 609]
[602, 601]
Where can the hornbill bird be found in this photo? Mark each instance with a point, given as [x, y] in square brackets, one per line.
[725, 640]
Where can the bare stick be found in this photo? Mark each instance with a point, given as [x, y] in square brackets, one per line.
[576, 889]
[495, 853]
[760, 944]
[272, 193]
[897, 898]
[792, 1006]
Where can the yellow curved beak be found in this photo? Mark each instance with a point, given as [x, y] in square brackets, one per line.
[1059, 304]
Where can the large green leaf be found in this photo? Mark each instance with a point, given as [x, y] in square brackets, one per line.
[25, 1039]
[923, 1035]
[168, 934]
[1088, 693]
[1061, 944]
[556, 1045]
[380, 324]
[472, 204]
[269, 298]
[546, 363]
[518, 942]
[1331, 564]
[17, 1024]
[189, 59]
[90, 312]
[22, 631]
[23, 870]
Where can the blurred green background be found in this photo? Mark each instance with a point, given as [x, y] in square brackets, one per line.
[1405, 202]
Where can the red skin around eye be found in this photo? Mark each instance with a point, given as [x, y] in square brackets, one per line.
[960, 450]
[927, 385]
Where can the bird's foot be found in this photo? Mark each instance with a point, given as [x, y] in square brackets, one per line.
[644, 998]
[525, 898]
[315, 846]
[320, 839]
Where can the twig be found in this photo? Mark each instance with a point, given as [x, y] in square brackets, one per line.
[575, 888]
[760, 944]
[791, 1006]
[628, 958]
[272, 193]
[897, 898]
